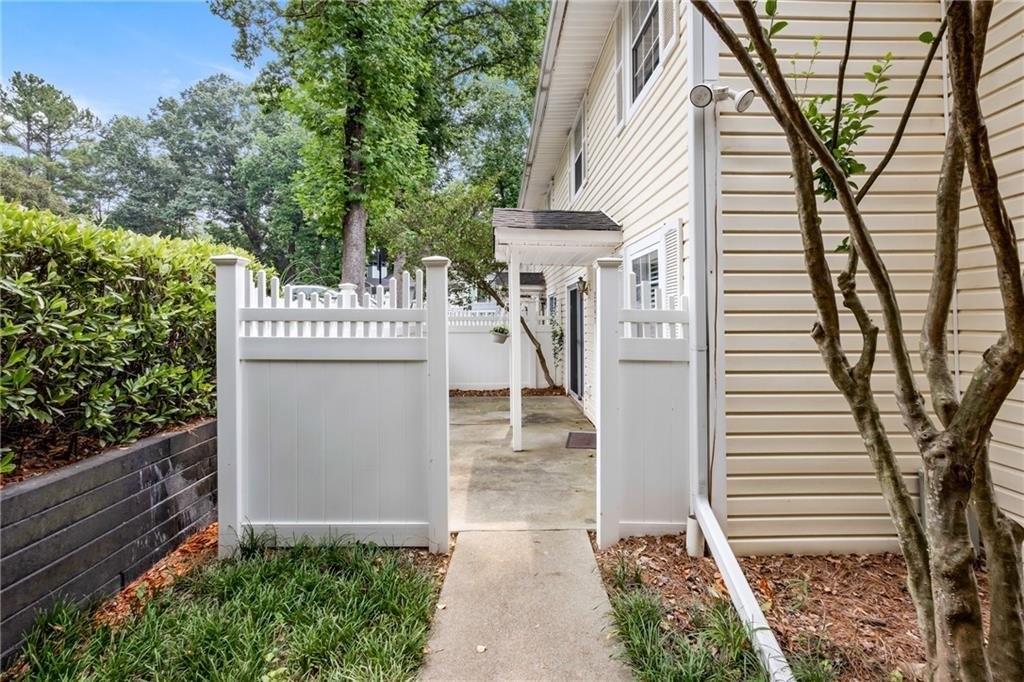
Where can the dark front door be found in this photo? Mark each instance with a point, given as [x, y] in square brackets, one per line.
[576, 343]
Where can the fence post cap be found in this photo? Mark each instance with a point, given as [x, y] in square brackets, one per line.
[435, 262]
[229, 259]
[348, 286]
[608, 262]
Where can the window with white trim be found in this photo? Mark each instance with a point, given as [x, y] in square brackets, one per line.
[579, 167]
[646, 272]
[644, 43]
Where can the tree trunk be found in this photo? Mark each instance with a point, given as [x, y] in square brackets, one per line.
[954, 588]
[353, 235]
[1001, 537]
[353, 230]
[399, 269]
[493, 293]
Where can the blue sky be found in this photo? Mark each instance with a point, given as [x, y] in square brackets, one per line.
[116, 57]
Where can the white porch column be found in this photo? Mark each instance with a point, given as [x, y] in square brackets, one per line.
[515, 355]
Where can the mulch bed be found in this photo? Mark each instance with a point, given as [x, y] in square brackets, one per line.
[195, 551]
[47, 450]
[503, 392]
[854, 607]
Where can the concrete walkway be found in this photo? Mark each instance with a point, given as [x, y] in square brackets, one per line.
[542, 488]
[526, 605]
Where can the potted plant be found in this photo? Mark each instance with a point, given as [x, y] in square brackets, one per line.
[499, 334]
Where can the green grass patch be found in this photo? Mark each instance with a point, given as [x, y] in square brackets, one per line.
[324, 611]
[714, 648]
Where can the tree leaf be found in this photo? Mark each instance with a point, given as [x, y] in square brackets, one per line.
[770, 7]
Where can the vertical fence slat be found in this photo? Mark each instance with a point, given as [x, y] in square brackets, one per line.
[275, 302]
[262, 328]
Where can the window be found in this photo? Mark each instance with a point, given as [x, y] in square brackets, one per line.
[579, 169]
[644, 46]
[552, 306]
[646, 271]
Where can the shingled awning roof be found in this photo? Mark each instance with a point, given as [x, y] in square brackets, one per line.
[553, 220]
[554, 237]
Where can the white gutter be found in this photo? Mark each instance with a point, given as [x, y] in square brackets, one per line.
[540, 100]
[703, 525]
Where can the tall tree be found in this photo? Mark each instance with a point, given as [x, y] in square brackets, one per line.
[42, 122]
[377, 85]
[954, 451]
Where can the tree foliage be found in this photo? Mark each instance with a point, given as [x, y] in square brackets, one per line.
[103, 333]
[382, 88]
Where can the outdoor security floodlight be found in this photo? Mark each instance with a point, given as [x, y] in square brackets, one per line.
[701, 95]
[742, 99]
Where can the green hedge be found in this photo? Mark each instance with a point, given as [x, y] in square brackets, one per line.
[103, 333]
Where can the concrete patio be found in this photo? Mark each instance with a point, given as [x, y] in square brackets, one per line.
[544, 487]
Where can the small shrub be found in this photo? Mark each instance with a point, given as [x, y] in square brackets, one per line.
[104, 333]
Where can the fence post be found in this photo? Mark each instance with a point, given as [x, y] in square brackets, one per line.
[230, 296]
[609, 454]
[437, 402]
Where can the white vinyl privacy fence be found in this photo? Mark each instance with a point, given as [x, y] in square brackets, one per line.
[643, 410]
[476, 362]
[332, 412]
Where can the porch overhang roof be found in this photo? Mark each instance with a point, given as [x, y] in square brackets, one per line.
[554, 237]
[576, 34]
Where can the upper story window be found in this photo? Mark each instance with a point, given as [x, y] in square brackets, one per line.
[646, 270]
[644, 48]
[579, 168]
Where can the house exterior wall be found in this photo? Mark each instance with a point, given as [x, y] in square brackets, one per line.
[980, 318]
[636, 173]
[798, 478]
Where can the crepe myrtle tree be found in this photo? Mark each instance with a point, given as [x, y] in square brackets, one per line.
[454, 221]
[954, 449]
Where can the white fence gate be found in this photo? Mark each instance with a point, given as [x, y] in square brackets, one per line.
[332, 412]
[643, 410]
[476, 362]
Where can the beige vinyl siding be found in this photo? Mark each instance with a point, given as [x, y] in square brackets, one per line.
[636, 172]
[798, 479]
[980, 318]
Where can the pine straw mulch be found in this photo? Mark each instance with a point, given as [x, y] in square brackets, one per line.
[200, 549]
[195, 551]
[503, 392]
[853, 607]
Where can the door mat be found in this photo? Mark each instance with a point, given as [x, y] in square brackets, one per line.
[581, 440]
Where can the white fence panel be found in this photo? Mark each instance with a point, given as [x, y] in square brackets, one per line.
[332, 413]
[644, 411]
[476, 362]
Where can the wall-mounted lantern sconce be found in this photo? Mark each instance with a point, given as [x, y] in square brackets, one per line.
[583, 286]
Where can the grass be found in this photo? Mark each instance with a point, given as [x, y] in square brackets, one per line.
[715, 648]
[325, 611]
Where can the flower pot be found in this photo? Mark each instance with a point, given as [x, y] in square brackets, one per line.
[499, 337]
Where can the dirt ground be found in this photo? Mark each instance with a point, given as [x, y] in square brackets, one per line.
[49, 449]
[501, 392]
[854, 608]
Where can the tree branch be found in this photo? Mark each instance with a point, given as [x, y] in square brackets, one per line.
[909, 398]
[837, 117]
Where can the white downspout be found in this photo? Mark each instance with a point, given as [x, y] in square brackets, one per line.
[703, 525]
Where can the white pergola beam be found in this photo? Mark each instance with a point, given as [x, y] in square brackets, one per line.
[515, 357]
